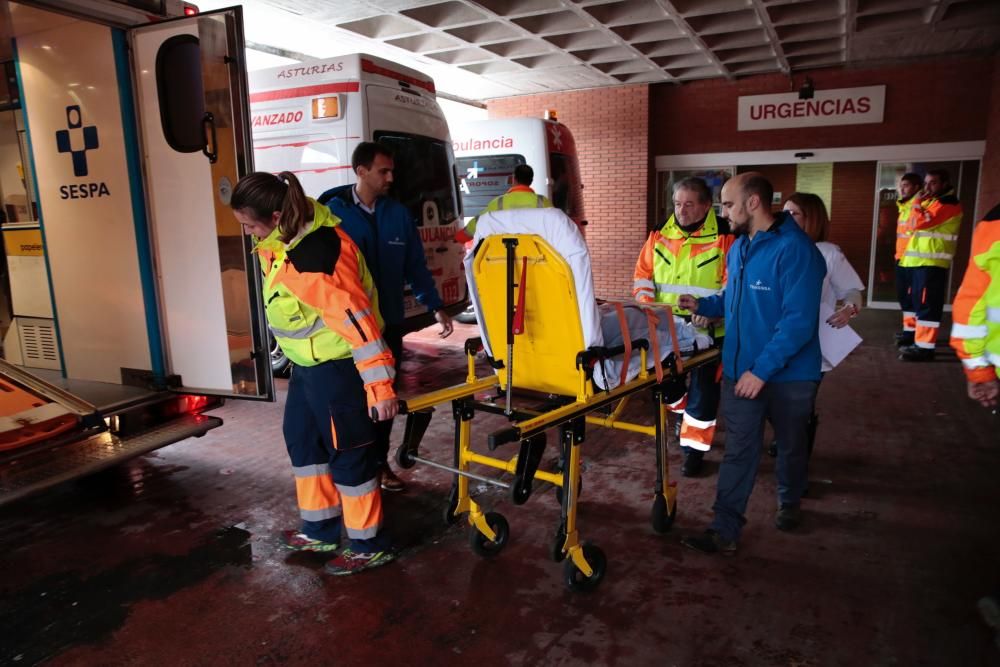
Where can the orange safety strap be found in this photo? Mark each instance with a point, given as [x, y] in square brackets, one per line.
[626, 338]
[654, 343]
[519, 312]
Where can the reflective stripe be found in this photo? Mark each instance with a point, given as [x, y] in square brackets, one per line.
[697, 423]
[928, 324]
[694, 444]
[358, 316]
[930, 345]
[363, 534]
[320, 515]
[541, 202]
[694, 290]
[500, 203]
[359, 490]
[639, 283]
[311, 470]
[903, 236]
[365, 352]
[993, 314]
[909, 313]
[377, 373]
[299, 334]
[993, 358]
[968, 331]
[928, 255]
[975, 362]
[936, 235]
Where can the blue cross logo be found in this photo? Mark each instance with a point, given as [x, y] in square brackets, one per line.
[64, 142]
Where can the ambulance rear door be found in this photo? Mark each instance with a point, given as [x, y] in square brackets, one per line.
[191, 96]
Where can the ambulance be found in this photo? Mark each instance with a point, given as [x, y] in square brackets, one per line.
[129, 298]
[487, 151]
[308, 118]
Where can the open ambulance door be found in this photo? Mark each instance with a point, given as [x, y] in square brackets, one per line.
[191, 95]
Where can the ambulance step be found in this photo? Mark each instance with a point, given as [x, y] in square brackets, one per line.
[31, 473]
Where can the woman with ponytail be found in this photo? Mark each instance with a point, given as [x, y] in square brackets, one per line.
[322, 309]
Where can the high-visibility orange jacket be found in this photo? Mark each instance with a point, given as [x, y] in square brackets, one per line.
[904, 232]
[321, 303]
[975, 334]
[518, 196]
[935, 222]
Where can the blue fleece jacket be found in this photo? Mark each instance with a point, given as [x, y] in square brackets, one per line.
[771, 305]
[392, 249]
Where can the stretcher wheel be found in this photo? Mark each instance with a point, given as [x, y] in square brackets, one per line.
[403, 458]
[557, 553]
[489, 548]
[662, 519]
[574, 577]
[579, 491]
[449, 512]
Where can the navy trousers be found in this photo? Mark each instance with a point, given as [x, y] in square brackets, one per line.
[788, 405]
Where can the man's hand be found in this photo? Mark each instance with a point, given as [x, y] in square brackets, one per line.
[701, 321]
[985, 392]
[386, 409]
[748, 386]
[688, 303]
[446, 324]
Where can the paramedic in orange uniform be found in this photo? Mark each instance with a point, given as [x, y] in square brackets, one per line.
[322, 308]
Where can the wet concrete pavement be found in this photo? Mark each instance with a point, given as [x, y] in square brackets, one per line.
[173, 559]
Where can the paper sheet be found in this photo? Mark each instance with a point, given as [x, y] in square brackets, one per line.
[835, 344]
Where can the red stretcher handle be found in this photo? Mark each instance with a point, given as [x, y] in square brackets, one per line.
[522, 284]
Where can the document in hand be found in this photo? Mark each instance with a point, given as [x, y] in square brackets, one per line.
[835, 344]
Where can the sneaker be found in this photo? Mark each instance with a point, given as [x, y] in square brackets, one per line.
[709, 542]
[789, 517]
[904, 338]
[916, 353]
[296, 541]
[351, 562]
[390, 482]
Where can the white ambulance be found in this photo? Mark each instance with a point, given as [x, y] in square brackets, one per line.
[308, 118]
[134, 301]
[487, 151]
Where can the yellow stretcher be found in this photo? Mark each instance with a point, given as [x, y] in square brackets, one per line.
[525, 286]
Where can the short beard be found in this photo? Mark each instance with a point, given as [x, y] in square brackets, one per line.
[739, 229]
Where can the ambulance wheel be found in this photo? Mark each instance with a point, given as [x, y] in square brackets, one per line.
[489, 548]
[575, 579]
[467, 316]
[449, 512]
[579, 491]
[281, 366]
[558, 555]
[662, 519]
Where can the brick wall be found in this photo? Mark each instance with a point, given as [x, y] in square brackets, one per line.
[610, 127]
[705, 112]
[990, 185]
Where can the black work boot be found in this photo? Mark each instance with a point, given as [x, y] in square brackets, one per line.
[789, 517]
[710, 542]
[693, 459]
[904, 338]
[916, 353]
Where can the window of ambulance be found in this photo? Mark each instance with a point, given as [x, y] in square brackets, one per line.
[423, 182]
[483, 178]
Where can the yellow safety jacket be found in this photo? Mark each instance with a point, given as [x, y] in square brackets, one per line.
[519, 196]
[321, 303]
[975, 333]
[935, 223]
[903, 230]
[673, 262]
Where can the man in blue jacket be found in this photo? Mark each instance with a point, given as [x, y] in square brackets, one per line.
[385, 232]
[771, 367]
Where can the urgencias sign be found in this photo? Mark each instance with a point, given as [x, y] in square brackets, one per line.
[841, 106]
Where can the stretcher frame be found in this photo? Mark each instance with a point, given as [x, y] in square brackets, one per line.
[585, 564]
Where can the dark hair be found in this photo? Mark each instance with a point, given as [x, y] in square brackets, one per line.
[697, 186]
[260, 194]
[941, 174]
[523, 174]
[912, 178]
[758, 185]
[365, 153]
[816, 221]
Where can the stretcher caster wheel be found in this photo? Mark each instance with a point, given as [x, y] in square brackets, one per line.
[557, 553]
[403, 458]
[662, 519]
[579, 491]
[449, 512]
[489, 548]
[520, 490]
[575, 579]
